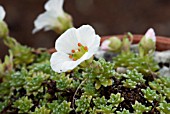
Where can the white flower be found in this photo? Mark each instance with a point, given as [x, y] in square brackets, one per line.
[53, 18]
[150, 34]
[73, 47]
[2, 13]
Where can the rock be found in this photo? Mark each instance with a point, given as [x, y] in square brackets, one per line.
[121, 69]
[162, 57]
[165, 71]
[108, 55]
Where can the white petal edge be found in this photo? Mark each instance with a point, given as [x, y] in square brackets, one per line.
[60, 62]
[67, 41]
[95, 44]
[2, 13]
[57, 59]
[56, 6]
[150, 34]
[86, 35]
[45, 20]
[105, 45]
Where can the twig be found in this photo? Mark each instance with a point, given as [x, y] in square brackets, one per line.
[77, 91]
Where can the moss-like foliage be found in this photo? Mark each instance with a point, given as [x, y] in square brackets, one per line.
[23, 104]
[130, 60]
[29, 85]
[139, 108]
[22, 54]
[123, 112]
[59, 108]
[164, 108]
[133, 78]
[83, 104]
[149, 94]
[41, 110]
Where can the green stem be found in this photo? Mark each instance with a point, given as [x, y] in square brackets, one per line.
[77, 91]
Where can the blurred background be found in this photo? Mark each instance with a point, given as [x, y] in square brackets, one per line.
[108, 17]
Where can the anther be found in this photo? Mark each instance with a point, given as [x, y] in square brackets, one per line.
[70, 56]
[79, 44]
[86, 48]
[73, 51]
[78, 49]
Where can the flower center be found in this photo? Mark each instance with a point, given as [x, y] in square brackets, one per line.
[77, 54]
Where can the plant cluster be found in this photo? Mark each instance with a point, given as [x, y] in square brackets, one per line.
[71, 80]
[33, 87]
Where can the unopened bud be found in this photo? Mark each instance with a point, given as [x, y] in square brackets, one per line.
[148, 42]
[111, 44]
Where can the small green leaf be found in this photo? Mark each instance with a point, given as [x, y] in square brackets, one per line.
[97, 85]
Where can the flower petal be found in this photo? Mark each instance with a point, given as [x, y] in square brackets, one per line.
[67, 41]
[150, 34]
[57, 60]
[86, 35]
[95, 44]
[55, 5]
[45, 20]
[60, 62]
[2, 13]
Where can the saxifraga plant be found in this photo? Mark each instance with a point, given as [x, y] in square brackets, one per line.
[83, 90]
[29, 85]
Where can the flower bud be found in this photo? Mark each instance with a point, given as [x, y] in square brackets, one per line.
[111, 44]
[3, 29]
[148, 42]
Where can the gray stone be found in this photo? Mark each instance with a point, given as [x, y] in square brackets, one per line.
[165, 71]
[162, 57]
